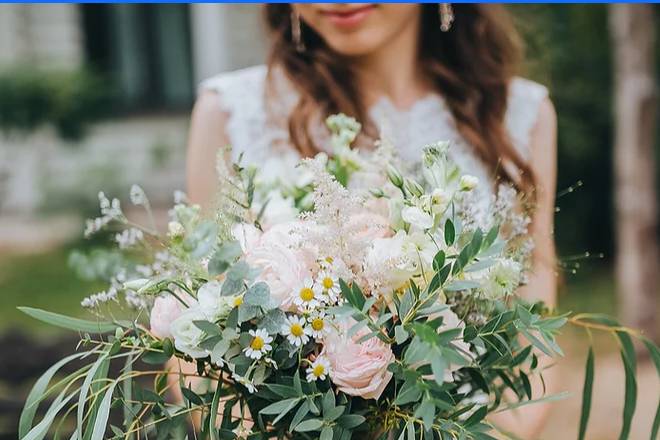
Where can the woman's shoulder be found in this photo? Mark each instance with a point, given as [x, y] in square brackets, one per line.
[526, 98]
[250, 97]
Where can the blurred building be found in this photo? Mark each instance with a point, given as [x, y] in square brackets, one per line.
[151, 56]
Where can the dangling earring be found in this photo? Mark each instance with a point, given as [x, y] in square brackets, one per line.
[296, 32]
[446, 13]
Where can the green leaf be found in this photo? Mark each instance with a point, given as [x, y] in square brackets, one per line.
[409, 392]
[309, 425]
[461, 285]
[191, 396]
[350, 421]
[84, 389]
[655, 355]
[526, 385]
[41, 429]
[426, 412]
[477, 416]
[630, 396]
[328, 401]
[438, 261]
[282, 406]
[450, 232]
[400, 334]
[37, 394]
[257, 295]
[103, 413]
[300, 414]
[586, 394]
[213, 415]
[208, 327]
[273, 321]
[80, 325]
[326, 433]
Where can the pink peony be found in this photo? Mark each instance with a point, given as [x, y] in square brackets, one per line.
[370, 226]
[165, 310]
[358, 369]
[284, 265]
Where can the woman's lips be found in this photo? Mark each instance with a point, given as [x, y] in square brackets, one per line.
[347, 18]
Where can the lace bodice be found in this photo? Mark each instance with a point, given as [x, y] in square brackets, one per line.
[253, 132]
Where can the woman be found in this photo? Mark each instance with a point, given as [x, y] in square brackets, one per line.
[405, 68]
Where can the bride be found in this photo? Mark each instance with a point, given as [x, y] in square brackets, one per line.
[416, 73]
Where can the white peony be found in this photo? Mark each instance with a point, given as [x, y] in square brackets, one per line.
[388, 264]
[187, 336]
[279, 209]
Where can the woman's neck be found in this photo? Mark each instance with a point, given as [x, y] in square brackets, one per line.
[393, 71]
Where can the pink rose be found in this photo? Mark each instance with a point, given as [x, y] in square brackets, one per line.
[284, 265]
[358, 369]
[165, 310]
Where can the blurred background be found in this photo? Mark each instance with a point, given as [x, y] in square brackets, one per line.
[97, 97]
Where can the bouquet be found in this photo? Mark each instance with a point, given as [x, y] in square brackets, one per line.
[352, 295]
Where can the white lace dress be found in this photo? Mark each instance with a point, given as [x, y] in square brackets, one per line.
[242, 95]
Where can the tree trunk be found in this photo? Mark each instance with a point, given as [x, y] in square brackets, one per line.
[632, 28]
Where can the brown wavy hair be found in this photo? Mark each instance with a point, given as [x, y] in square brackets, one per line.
[471, 66]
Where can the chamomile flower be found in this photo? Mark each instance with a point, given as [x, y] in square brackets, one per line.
[296, 330]
[319, 369]
[245, 382]
[318, 325]
[259, 345]
[308, 296]
[330, 284]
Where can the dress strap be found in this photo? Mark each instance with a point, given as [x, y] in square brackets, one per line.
[524, 102]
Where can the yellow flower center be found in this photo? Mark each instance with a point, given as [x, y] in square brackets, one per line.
[329, 260]
[296, 330]
[317, 324]
[257, 343]
[238, 301]
[306, 294]
[328, 283]
[318, 370]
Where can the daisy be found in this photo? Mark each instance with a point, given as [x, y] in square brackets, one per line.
[308, 296]
[318, 369]
[318, 326]
[330, 284]
[296, 330]
[260, 344]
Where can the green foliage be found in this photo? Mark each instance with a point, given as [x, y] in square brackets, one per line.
[69, 100]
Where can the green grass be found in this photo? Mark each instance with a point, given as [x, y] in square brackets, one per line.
[42, 281]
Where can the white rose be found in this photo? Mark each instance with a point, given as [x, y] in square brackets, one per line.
[211, 303]
[187, 336]
[417, 217]
[468, 182]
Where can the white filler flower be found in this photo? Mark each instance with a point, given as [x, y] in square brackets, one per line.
[308, 296]
[296, 330]
[260, 344]
[318, 325]
[319, 369]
